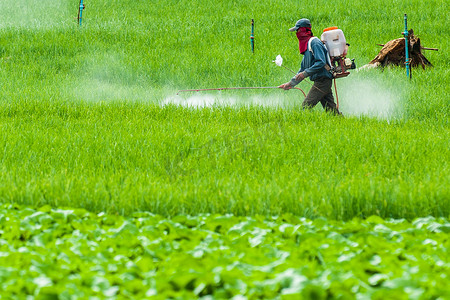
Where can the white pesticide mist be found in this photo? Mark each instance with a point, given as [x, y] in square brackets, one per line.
[201, 99]
[36, 14]
[370, 97]
[97, 89]
[205, 100]
[358, 96]
[106, 77]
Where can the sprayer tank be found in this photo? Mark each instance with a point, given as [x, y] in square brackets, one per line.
[334, 39]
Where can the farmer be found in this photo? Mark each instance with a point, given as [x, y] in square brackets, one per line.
[315, 66]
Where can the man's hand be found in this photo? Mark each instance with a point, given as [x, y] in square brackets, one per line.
[286, 86]
[300, 76]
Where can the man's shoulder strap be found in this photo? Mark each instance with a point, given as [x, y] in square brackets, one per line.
[310, 48]
[309, 43]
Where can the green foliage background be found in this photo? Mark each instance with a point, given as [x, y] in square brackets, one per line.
[83, 123]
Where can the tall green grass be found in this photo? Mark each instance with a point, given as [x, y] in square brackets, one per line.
[125, 157]
[83, 123]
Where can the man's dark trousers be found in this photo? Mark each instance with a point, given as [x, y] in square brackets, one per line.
[321, 92]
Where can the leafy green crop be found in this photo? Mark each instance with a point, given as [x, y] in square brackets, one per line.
[73, 254]
[89, 117]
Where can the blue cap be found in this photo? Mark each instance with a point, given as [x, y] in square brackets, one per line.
[301, 23]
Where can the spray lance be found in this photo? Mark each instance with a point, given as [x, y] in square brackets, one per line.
[236, 88]
[252, 40]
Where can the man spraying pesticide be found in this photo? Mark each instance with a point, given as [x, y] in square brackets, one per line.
[317, 65]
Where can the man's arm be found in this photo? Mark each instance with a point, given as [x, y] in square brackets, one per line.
[320, 59]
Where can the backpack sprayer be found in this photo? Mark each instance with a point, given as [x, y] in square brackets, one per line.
[334, 40]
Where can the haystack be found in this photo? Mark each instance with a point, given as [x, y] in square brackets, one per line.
[393, 53]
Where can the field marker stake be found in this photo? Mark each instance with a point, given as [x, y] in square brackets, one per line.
[252, 37]
[80, 12]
